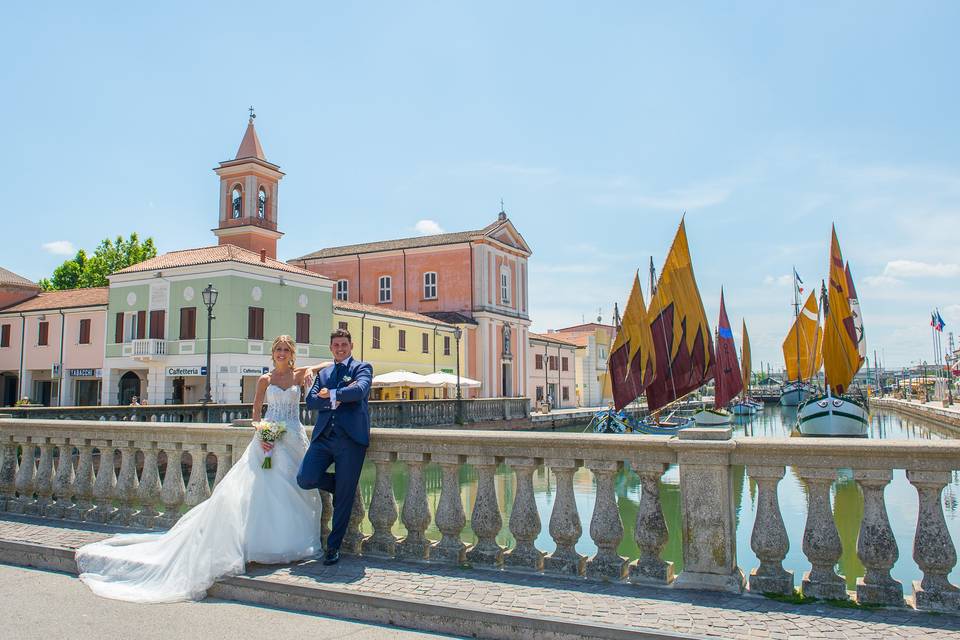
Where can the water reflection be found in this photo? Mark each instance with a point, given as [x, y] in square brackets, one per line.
[901, 501]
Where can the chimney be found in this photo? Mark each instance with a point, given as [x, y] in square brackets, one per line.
[263, 255]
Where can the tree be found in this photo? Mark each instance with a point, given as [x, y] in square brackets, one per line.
[84, 271]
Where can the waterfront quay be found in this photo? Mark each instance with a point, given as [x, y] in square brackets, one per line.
[485, 559]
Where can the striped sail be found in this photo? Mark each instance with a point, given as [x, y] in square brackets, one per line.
[841, 356]
[745, 364]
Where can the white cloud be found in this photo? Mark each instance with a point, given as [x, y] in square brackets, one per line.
[914, 269]
[881, 281]
[427, 227]
[689, 198]
[781, 281]
[59, 248]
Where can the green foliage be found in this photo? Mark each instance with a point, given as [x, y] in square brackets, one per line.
[84, 271]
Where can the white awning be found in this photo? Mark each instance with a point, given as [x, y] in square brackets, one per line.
[444, 379]
[400, 379]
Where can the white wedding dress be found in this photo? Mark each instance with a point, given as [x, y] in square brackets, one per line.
[254, 515]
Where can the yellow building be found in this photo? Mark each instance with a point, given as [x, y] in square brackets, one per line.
[392, 340]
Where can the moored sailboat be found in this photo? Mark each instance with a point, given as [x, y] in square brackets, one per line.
[726, 375]
[800, 351]
[835, 412]
[746, 406]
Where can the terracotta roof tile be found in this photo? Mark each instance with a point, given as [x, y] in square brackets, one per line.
[11, 279]
[403, 243]
[212, 255]
[250, 145]
[66, 299]
[552, 337]
[386, 311]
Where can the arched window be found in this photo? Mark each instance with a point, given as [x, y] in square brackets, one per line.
[430, 285]
[262, 204]
[343, 290]
[236, 202]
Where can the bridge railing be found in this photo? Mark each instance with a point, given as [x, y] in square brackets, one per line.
[383, 413]
[61, 469]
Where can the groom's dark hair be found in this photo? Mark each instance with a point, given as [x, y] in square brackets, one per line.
[340, 333]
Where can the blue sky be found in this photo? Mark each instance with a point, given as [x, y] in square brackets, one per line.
[597, 123]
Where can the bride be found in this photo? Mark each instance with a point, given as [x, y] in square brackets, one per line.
[254, 514]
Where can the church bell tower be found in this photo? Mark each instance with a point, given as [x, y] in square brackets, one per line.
[248, 197]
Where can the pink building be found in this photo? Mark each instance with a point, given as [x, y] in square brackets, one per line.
[52, 347]
[474, 279]
[551, 360]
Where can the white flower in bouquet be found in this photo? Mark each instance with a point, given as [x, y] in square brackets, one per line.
[268, 431]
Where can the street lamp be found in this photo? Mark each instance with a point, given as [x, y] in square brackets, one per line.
[458, 333]
[210, 299]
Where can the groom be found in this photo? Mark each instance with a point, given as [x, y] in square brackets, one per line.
[341, 435]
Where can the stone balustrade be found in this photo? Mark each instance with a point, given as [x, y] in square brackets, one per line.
[383, 413]
[111, 472]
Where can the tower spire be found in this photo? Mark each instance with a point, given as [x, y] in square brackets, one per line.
[250, 145]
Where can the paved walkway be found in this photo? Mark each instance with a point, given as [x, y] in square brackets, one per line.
[27, 594]
[491, 604]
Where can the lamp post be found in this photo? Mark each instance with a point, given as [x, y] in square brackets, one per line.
[458, 333]
[210, 299]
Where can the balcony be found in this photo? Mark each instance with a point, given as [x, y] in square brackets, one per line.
[150, 349]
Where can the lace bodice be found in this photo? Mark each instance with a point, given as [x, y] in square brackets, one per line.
[283, 405]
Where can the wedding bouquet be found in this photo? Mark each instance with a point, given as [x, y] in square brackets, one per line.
[270, 432]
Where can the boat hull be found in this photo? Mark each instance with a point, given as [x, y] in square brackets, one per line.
[794, 395]
[830, 416]
[708, 418]
[744, 409]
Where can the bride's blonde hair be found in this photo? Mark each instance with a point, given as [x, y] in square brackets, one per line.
[287, 341]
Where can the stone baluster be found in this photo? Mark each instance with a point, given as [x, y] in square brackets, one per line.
[127, 485]
[606, 528]
[450, 517]
[83, 482]
[565, 528]
[933, 549]
[383, 508]
[8, 472]
[63, 479]
[148, 489]
[25, 476]
[416, 512]
[524, 519]
[198, 488]
[326, 516]
[876, 545]
[172, 490]
[821, 542]
[105, 485]
[650, 531]
[43, 482]
[224, 455]
[485, 518]
[769, 538]
[353, 538]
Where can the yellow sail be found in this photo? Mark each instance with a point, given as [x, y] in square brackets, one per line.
[631, 362]
[841, 359]
[800, 345]
[745, 365]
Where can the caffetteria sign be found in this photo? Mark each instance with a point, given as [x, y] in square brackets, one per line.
[186, 371]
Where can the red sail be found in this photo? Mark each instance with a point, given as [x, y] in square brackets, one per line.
[726, 372]
[631, 358]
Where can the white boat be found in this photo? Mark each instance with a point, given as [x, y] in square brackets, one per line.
[827, 415]
[835, 413]
[794, 394]
[712, 418]
[743, 409]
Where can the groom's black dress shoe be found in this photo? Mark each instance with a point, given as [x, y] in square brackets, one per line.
[332, 556]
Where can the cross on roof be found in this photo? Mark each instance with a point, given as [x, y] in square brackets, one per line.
[252, 114]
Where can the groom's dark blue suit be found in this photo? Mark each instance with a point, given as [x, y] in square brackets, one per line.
[341, 436]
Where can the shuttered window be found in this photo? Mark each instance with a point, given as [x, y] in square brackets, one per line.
[188, 323]
[158, 321]
[5, 335]
[118, 329]
[446, 345]
[43, 331]
[84, 331]
[141, 325]
[402, 340]
[538, 361]
[255, 323]
[303, 328]
[564, 364]
[425, 343]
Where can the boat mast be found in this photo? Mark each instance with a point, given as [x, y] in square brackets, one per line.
[796, 316]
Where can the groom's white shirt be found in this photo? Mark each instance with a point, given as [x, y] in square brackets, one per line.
[333, 392]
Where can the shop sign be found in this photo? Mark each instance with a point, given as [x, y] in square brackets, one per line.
[186, 371]
[84, 373]
[253, 371]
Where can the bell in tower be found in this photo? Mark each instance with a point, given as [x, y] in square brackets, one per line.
[248, 197]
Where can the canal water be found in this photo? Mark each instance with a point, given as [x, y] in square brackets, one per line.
[901, 501]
